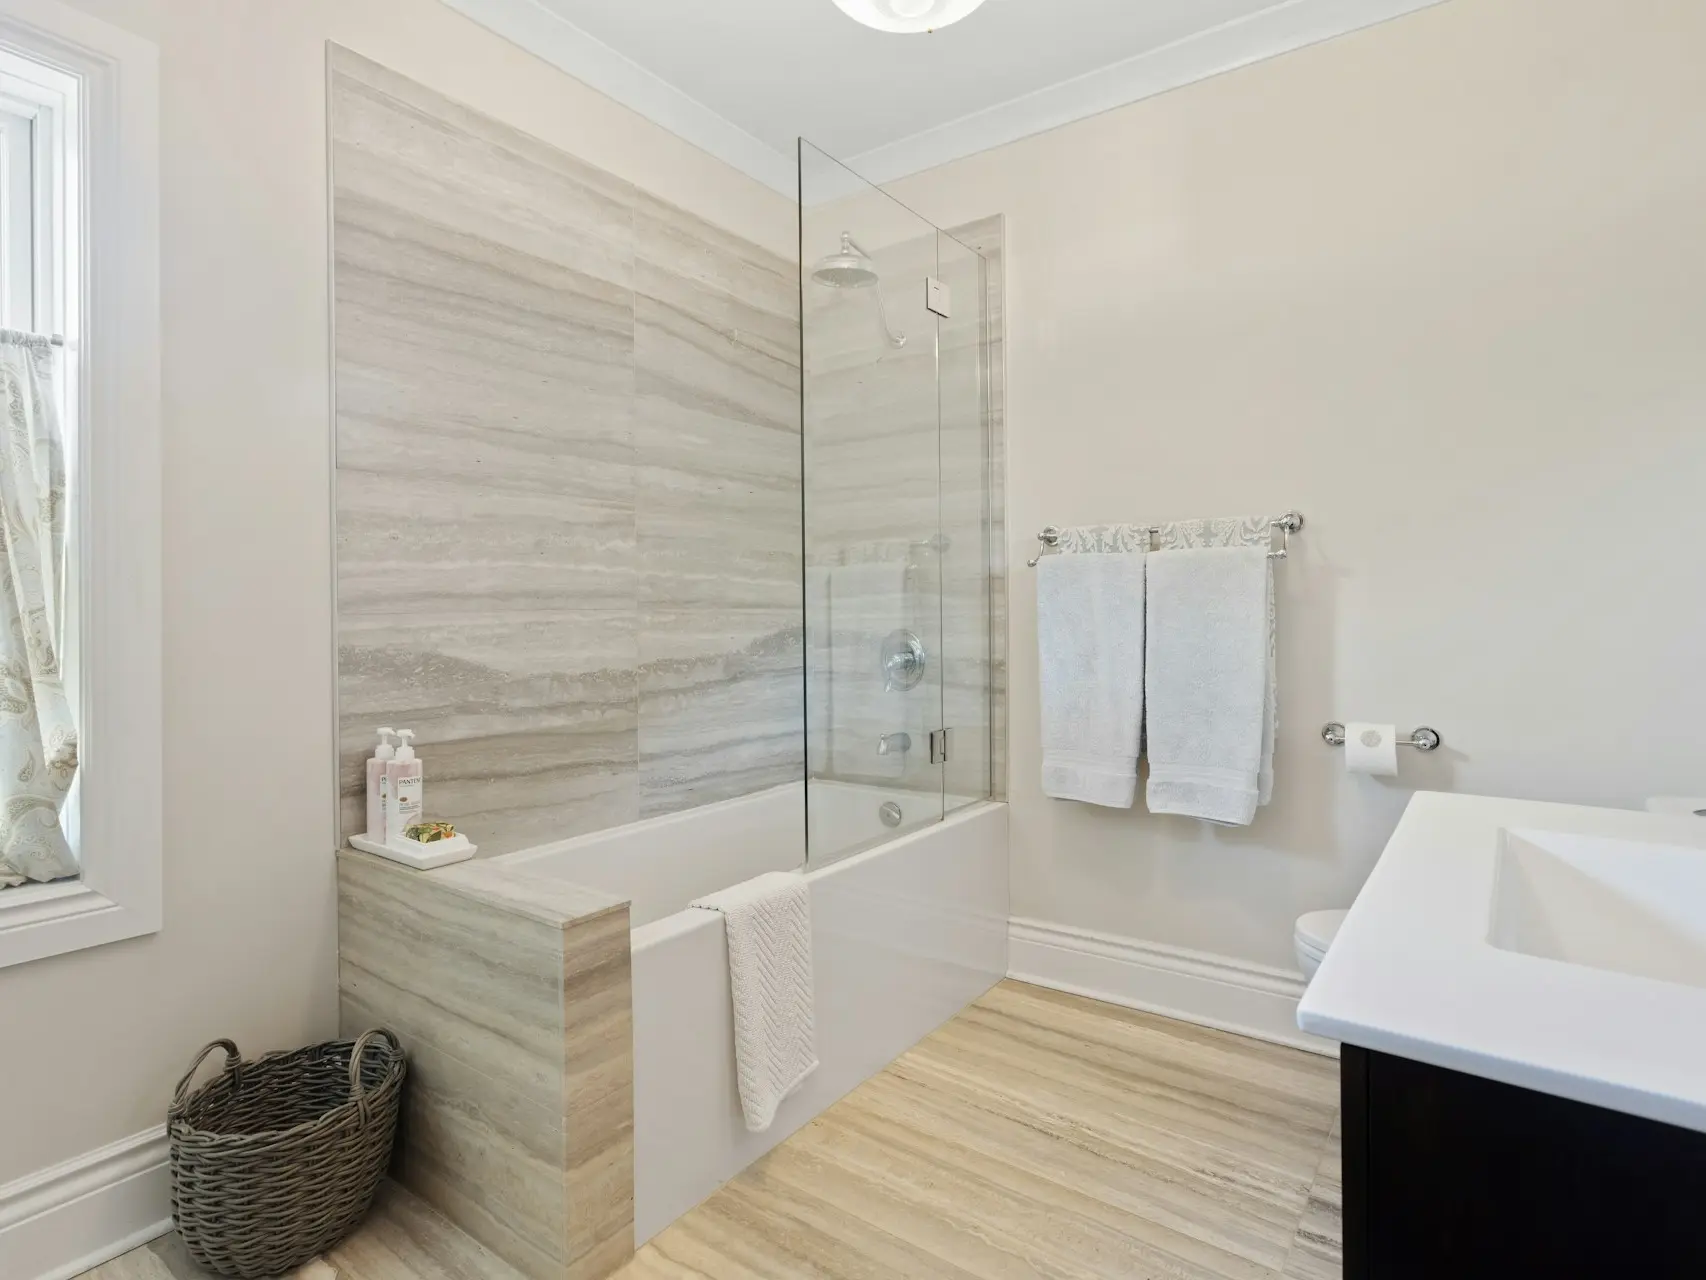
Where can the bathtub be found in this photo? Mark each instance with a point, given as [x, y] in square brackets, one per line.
[905, 935]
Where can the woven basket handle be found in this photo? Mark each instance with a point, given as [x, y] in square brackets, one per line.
[357, 1094]
[233, 1064]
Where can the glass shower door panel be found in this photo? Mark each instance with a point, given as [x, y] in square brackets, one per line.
[963, 382]
[872, 492]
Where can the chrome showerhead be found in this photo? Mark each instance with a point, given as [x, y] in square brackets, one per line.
[851, 268]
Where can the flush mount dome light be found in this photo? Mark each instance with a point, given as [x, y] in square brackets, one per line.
[906, 16]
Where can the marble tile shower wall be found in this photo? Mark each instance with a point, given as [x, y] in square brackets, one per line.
[568, 478]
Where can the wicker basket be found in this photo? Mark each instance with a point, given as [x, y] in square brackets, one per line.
[277, 1160]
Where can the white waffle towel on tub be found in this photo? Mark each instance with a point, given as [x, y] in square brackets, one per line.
[768, 921]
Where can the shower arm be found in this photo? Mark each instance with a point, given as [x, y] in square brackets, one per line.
[896, 340]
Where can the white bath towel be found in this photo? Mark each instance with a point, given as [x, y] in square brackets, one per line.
[768, 921]
[1238, 531]
[1206, 682]
[1090, 653]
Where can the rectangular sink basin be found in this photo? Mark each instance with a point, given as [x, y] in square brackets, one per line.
[1620, 905]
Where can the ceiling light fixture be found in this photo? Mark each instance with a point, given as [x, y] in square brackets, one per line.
[906, 16]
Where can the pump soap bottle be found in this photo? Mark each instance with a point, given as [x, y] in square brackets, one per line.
[376, 788]
[404, 783]
[398, 780]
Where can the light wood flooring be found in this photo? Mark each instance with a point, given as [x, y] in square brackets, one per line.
[401, 1240]
[1036, 1135]
[1040, 1134]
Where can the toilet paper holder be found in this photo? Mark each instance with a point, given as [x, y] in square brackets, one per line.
[1423, 739]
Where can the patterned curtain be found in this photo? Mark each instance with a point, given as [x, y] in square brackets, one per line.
[38, 741]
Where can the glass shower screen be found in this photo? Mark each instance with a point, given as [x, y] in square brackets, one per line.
[894, 360]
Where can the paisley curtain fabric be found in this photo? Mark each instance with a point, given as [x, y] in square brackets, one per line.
[38, 740]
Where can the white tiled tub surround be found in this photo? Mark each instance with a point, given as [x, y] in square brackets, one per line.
[905, 936]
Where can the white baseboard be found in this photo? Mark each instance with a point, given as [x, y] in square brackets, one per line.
[60, 1222]
[1213, 991]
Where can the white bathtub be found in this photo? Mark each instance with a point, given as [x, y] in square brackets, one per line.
[906, 934]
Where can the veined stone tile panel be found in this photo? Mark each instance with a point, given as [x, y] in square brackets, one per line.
[598, 1095]
[479, 980]
[564, 407]
[487, 1159]
[719, 511]
[512, 996]
[445, 151]
[724, 721]
[718, 452]
[475, 992]
[522, 743]
[713, 350]
[689, 246]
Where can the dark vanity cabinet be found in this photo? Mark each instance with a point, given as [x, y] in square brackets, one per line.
[1449, 1176]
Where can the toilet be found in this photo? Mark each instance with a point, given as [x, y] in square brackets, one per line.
[1314, 934]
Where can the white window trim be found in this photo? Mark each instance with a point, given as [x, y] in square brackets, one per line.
[43, 99]
[113, 355]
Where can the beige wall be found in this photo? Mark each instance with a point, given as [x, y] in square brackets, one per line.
[248, 950]
[1441, 285]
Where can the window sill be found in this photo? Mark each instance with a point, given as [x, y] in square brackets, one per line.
[42, 920]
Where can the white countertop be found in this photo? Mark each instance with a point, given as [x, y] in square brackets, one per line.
[1413, 973]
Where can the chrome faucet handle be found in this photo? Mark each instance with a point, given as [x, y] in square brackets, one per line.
[903, 661]
[890, 743]
[900, 666]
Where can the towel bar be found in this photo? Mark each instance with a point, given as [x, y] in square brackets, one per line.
[1287, 524]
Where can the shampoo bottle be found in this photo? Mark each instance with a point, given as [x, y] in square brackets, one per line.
[376, 785]
[403, 783]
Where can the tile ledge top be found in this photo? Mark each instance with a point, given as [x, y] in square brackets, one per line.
[490, 880]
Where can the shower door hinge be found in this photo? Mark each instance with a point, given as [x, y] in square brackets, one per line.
[938, 297]
[939, 746]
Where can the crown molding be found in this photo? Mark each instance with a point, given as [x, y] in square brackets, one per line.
[1281, 28]
[550, 36]
[1290, 25]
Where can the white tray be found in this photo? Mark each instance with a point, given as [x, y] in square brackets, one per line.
[422, 857]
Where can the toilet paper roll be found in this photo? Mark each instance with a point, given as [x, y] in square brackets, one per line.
[1372, 749]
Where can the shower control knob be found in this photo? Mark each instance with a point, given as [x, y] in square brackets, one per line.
[903, 661]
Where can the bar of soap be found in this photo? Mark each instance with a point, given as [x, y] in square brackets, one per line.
[429, 832]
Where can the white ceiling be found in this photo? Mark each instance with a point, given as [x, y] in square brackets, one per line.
[744, 78]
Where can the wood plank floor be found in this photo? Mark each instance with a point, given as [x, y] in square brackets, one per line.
[401, 1240]
[1036, 1135]
[1040, 1134]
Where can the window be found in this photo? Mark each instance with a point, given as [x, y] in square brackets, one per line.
[80, 779]
[40, 239]
[39, 218]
